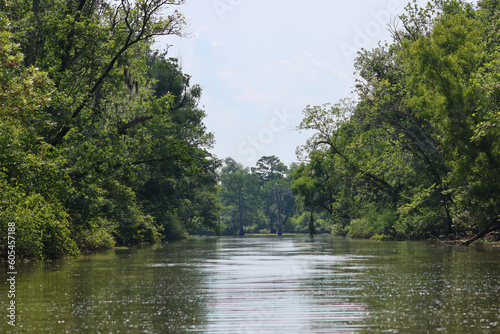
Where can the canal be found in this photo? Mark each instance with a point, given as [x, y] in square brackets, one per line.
[289, 284]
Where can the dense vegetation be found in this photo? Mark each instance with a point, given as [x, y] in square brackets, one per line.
[418, 154]
[260, 200]
[102, 140]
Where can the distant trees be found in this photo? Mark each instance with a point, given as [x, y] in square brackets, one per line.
[254, 199]
[240, 195]
[276, 193]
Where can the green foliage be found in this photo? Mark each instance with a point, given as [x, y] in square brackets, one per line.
[31, 180]
[240, 194]
[257, 200]
[372, 223]
[112, 148]
[100, 237]
[382, 237]
[277, 198]
[300, 223]
[41, 227]
[418, 154]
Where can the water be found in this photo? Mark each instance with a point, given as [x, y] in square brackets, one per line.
[263, 285]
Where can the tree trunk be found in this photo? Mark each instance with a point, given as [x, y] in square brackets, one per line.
[30, 57]
[312, 230]
[481, 234]
[277, 196]
[272, 230]
[280, 223]
[240, 218]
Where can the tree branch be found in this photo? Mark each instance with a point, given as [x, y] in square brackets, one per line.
[494, 227]
[129, 41]
[122, 129]
[375, 179]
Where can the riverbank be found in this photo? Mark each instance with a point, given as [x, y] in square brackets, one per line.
[490, 240]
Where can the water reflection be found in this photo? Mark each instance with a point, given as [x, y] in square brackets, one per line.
[114, 292]
[282, 286]
[423, 288]
[264, 285]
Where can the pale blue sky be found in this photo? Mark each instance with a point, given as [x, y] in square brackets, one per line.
[260, 63]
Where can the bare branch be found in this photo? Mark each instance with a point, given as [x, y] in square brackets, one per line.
[150, 9]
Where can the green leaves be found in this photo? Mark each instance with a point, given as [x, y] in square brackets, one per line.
[421, 144]
[23, 91]
[97, 128]
[252, 196]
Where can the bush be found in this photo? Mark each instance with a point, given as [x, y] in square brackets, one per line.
[41, 228]
[372, 223]
[382, 237]
[338, 230]
[299, 224]
[359, 228]
[98, 237]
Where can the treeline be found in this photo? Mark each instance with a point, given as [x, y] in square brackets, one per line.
[418, 153]
[260, 200]
[102, 141]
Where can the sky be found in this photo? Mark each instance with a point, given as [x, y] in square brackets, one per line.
[260, 63]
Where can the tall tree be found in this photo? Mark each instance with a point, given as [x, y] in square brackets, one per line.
[276, 189]
[240, 193]
[115, 122]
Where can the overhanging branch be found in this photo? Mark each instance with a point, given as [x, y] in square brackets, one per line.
[494, 227]
[122, 129]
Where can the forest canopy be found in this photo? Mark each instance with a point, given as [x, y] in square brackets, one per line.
[417, 155]
[102, 141]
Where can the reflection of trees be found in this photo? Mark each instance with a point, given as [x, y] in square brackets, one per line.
[416, 287]
[354, 284]
[157, 289]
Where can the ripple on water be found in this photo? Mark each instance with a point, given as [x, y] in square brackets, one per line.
[265, 285]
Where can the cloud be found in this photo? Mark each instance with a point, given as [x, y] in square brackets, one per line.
[340, 74]
[307, 65]
[297, 64]
[235, 82]
[239, 85]
[271, 55]
[218, 48]
[200, 31]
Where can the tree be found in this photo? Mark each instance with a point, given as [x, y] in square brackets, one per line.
[182, 179]
[418, 152]
[454, 65]
[275, 182]
[81, 42]
[31, 180]
[106, 124]
[240, 194]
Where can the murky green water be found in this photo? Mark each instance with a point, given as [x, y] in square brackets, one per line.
[263, 285]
